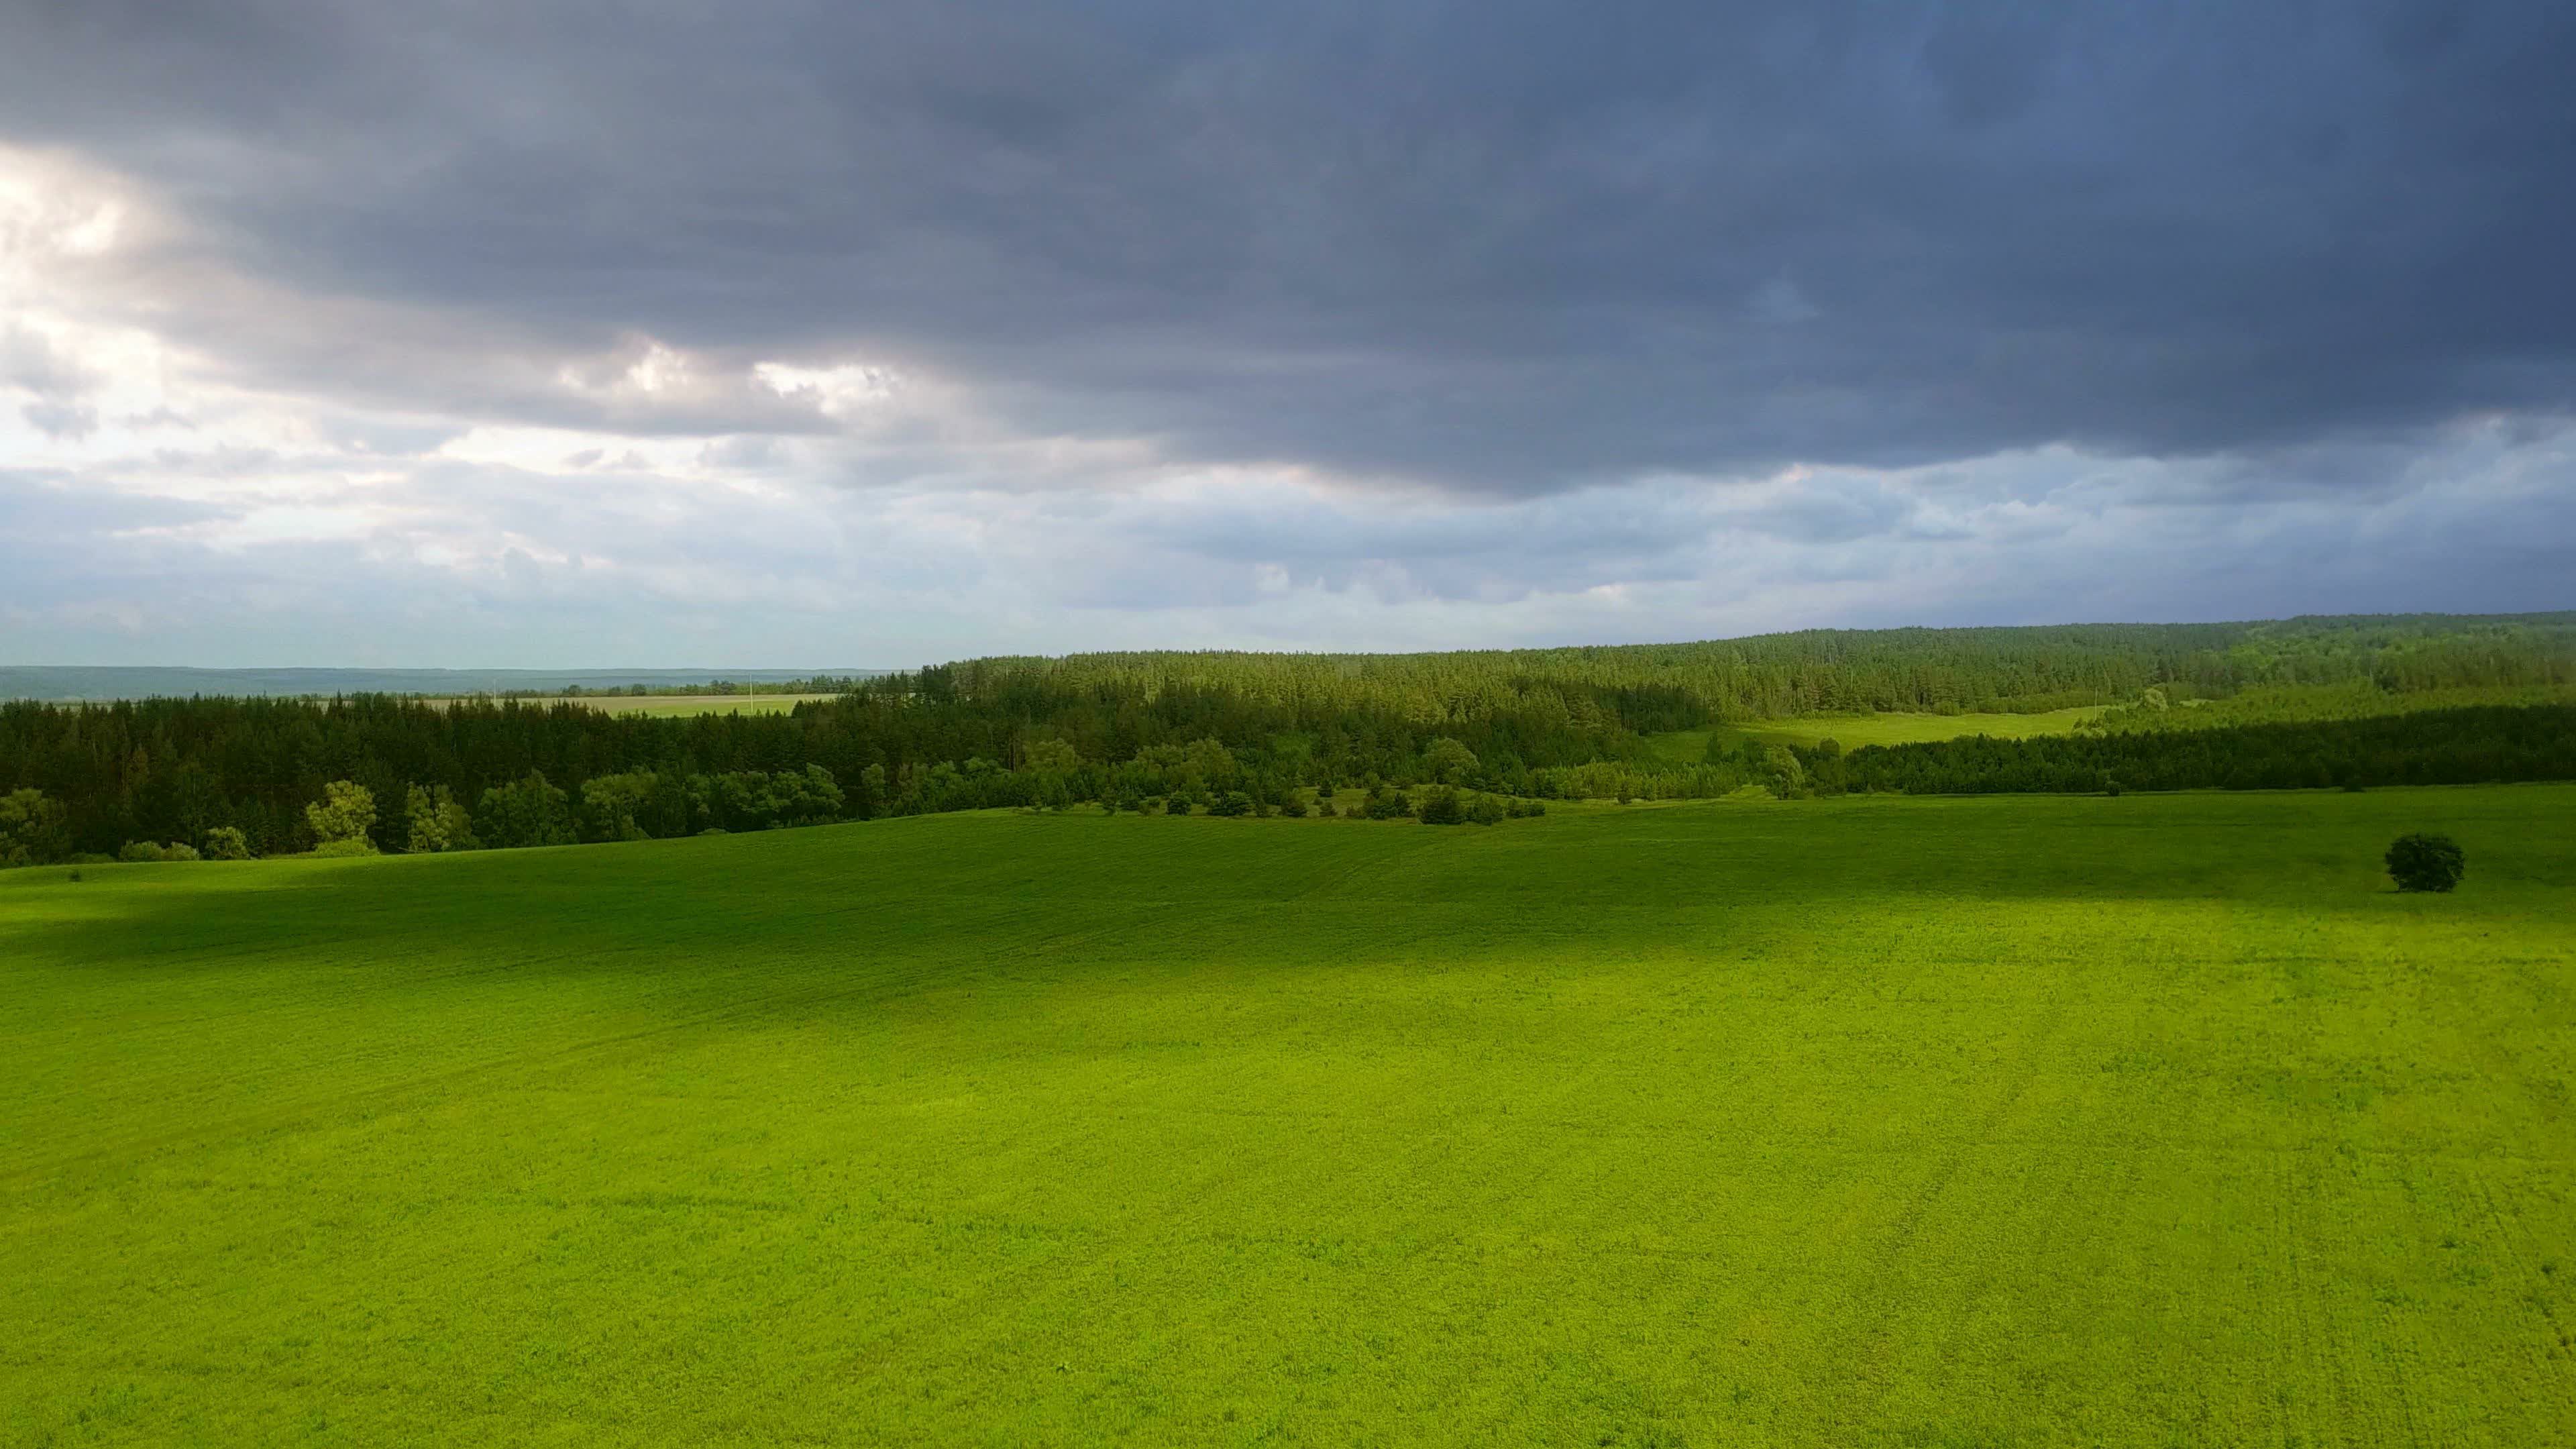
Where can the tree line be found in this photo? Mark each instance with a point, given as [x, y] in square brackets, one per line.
[721, 688]
[1825, 671]
[1202, 731]
[2428, 747]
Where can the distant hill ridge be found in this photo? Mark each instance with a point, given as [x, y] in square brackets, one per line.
[76, 681]
[2013, 668]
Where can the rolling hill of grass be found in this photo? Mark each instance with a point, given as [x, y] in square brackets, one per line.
[2151, 1120]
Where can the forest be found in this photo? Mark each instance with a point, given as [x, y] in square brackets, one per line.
[2300, 703]
[2429, 747]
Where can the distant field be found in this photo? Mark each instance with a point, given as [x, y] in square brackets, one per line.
[667, 705]
[2009, 1121]
[1852, 731]
[671, 705]
[2256, 706]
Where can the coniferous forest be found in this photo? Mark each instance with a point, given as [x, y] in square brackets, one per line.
[2308, 703]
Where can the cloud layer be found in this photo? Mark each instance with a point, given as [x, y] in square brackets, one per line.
[483, 334]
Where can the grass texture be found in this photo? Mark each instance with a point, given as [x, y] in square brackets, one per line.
[1920, 1122]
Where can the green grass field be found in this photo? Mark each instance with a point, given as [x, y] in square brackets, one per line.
[1851, 731]
[2356, 700]
[1919, 1122]
[672, 705]
[667, 706]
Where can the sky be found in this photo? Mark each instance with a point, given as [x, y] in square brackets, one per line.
[814, 334]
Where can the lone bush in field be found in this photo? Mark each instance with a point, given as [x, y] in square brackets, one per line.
[226, 842]
[2422, 862]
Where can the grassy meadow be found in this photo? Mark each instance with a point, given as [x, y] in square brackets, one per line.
[674, 706]
[1851, 731]
[682, 706]
[2158, 1120]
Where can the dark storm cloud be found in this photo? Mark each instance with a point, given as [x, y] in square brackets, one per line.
[1498, 246]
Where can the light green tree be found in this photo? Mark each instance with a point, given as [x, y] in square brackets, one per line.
[1050, 766]
[1448, 762]
[523, 812]
[1781, 771]
[31, 828]
[342, 818]
[436, 821]
[610, 803]
[1051, 755]
[1192, 770]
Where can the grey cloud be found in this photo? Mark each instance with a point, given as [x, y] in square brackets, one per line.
[454, 563]
[29, 363]
[1512, 247]
[69, 543]
[1832, 514]
[48, 506]
[56, 385]
[60, 420]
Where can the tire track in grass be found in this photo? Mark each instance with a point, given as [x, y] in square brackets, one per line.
[2439, 1000]
[2297, 1348]
[1865, 1347]
[2514, 1232]
[28, 1173]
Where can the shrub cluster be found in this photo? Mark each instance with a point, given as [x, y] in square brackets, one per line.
[2422, 862]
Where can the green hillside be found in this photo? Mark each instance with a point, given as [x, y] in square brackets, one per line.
[1862, 1121]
